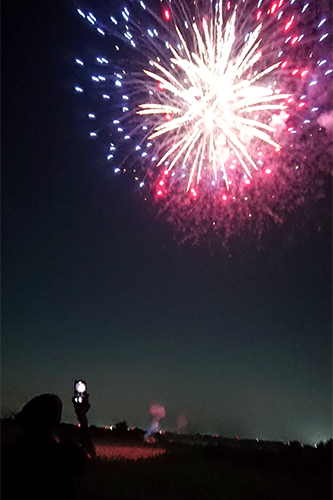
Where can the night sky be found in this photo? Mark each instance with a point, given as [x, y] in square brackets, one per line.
[95, 285]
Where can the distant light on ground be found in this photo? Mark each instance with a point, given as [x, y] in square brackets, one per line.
[127, 452]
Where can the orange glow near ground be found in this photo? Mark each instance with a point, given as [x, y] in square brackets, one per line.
[127, 452]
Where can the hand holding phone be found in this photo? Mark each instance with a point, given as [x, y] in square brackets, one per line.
[81, 400]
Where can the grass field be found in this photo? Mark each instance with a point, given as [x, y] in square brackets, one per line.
[226, 469]
[199, 473]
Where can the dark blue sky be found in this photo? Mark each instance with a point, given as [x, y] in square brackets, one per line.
[95, 286]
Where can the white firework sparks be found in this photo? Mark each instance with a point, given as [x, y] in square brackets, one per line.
[209, 99]
[212, 108]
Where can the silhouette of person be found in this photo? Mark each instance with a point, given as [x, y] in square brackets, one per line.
[81, 408]
[42, 467]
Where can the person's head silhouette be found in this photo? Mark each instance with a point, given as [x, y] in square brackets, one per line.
[41, 416]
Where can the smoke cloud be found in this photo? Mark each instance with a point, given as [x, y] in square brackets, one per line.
[158, 412]
[278, 122]
[325, 120]
[182, 423]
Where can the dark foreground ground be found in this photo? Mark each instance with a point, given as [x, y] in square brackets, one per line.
[129, 470]
[191, 472]
[194, 474]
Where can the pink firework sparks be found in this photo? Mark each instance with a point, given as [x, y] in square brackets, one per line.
[223, 108]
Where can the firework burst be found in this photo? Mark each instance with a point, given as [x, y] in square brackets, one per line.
[226, 121]
[210, 107]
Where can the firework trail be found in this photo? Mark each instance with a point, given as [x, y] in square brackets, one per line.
[222, 111]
